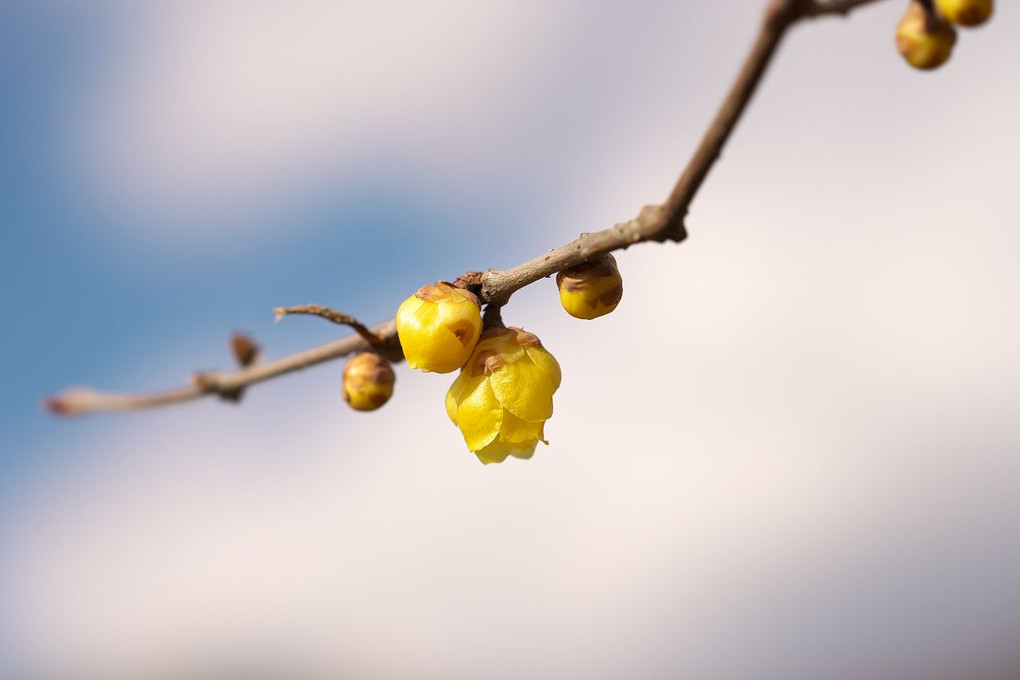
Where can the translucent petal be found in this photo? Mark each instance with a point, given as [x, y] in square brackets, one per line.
[576, 305]
[479, 414]
[464, 383]
[412, 304]
[463, 321]
[524, 453]
[496, 452]
[524, 389]
[513, 430]
[415, 330]
[516, 438]
[547, 362]
[502, 342]
[452, 397]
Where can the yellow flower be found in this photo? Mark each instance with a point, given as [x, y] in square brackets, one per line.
[503, 395]
[925, 40]
[591, 289]
[438, 327]
[368, 381]
[965, 12]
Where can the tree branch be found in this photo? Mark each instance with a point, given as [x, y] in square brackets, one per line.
[81, 400]
[657, 223]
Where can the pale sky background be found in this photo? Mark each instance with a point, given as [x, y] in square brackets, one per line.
[792, 452]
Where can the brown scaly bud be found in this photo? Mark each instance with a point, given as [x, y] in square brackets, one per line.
[923, 38]
[368, 381]
[244, 349]
[245, 352]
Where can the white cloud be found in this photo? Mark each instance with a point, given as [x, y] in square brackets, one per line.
[231, 108]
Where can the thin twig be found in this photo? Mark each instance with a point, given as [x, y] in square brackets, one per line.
[657, 223]
[79, 401]
[334, 316]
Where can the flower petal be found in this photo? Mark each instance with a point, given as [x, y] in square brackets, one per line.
[453, 398]
[524, 389]
[516, 431]
[479, 414]
[461, 320]
[496, 452]
[547, 362]
[525, 453]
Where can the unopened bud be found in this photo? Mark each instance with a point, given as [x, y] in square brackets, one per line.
[244, 348]
[923, 38]
[965, 12]
[368, 381]
[591, 289]
[438, 327]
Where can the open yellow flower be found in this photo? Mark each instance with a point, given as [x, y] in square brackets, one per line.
[438, 327]
[503, 395]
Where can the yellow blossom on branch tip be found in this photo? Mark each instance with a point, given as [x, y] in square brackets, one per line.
[503, 395]
[965, 12]
[591, 289]
[924, 39]
[438, 327]
[368, 381]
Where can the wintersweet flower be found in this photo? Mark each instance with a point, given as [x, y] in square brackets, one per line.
[591, 289]
[368, 381]
[504, 394]
[438, 327]
[924, 38]
[965, 12]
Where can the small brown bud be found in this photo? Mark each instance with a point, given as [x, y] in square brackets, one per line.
[368, 381]
[244, 348]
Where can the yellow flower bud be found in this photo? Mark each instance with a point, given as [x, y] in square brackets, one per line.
[591, 289]
[503, 395]
[368, 381]
[438, 327]
[965, 12]
[925, 40]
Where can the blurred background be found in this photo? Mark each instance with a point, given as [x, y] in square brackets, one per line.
[792, 452]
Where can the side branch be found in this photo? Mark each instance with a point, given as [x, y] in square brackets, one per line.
[221, 383]
[657, 223]
[387, 345]
[331, 315]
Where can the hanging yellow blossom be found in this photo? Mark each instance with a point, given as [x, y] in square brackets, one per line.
[438, 327]
[503, 395]
[924, 39]
[965, 12]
